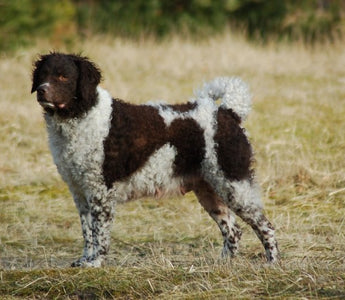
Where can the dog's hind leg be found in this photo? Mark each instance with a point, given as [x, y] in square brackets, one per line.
[246, 203]
[222, 215]
[243, 198]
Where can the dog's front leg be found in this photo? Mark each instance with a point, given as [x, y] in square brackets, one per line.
[102, 215]
[85, 220]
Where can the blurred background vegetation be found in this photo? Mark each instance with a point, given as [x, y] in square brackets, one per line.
[64, 21]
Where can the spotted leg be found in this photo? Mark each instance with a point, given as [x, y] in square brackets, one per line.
[246, 203]
[85, 220]
[243, 197]
[102, 214]
[222, 215]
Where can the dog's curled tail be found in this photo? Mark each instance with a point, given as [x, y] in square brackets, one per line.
[232, 91]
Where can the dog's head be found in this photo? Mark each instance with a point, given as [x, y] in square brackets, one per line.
[65, 84]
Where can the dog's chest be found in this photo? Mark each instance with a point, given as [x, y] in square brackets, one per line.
[77, 153]
[77, 147]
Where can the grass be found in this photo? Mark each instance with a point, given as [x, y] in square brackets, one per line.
[170, 248]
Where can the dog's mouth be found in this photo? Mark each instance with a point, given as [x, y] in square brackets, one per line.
[51, 106]
[46, 104]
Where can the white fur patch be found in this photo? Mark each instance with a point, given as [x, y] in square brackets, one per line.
[247, 193]
[154, 178]
[168, 114]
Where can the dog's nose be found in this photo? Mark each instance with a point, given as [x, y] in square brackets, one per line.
[42, 89]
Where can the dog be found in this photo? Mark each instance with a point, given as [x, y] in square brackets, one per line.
[109, 151]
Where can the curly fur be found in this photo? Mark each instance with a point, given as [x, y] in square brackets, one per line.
[109, 151]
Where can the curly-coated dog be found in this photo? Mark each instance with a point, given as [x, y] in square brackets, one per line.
[109, 151]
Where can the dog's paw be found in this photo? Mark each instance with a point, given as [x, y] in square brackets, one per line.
[79, 262]
[90, 262]
[94, 263]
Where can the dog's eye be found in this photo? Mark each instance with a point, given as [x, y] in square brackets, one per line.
[62, 78]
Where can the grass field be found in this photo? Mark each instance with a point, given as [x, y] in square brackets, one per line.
[170, 248]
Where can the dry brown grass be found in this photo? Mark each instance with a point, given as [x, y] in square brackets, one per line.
[169, 248]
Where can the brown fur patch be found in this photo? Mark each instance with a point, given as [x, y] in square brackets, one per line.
[187, 137]
[234, 152]
[184, 107]
[135, 133]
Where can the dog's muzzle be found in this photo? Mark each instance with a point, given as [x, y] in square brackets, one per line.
[42, 92]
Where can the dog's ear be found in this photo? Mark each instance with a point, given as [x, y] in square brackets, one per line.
[37, 66]
[89, 77]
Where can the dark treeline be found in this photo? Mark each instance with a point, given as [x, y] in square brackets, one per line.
[64, 20]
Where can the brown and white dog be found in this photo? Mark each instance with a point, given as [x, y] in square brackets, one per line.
[109, 151]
